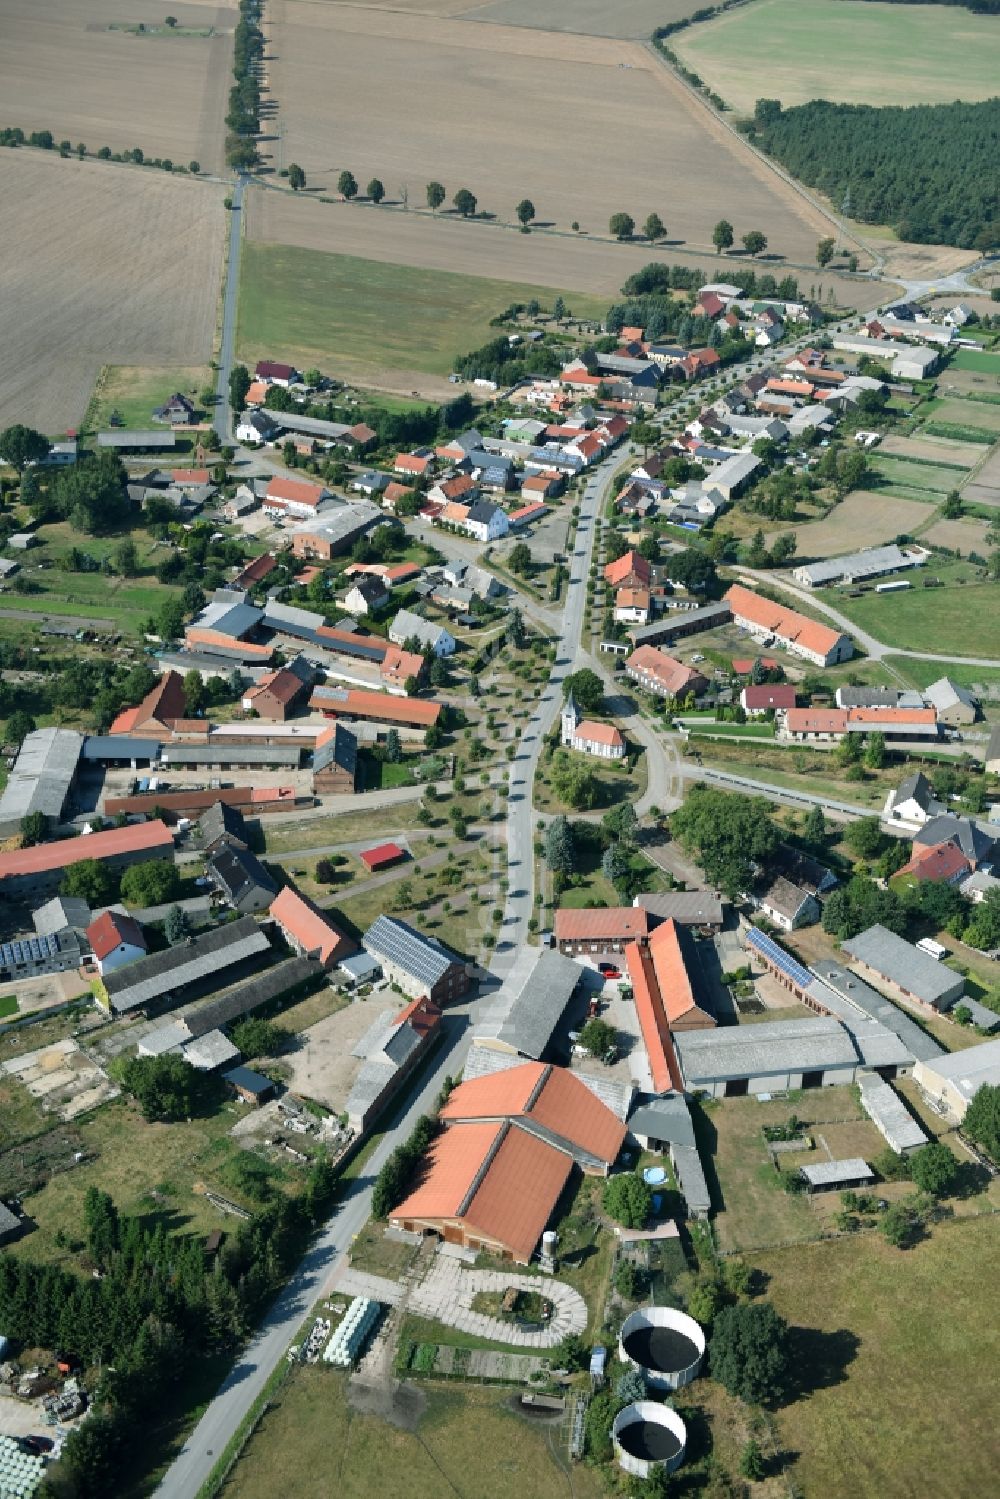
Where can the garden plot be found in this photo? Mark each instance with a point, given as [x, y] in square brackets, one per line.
[865, 518]
[984, 487]
[64, 1079]
[933, 449]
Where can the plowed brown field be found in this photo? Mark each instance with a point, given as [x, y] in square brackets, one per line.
[99, 264]
[61, 69]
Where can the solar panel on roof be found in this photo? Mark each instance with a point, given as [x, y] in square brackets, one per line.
[778, 958]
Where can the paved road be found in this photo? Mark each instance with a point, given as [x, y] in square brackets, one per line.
[223, 419]
[327, 1257]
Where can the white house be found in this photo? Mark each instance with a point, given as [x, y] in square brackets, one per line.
[115, 939]
[486, 521]
[257, 426]
[368, 593]
[432, 637]
[912, 804]
[588, 737]
[788, 906]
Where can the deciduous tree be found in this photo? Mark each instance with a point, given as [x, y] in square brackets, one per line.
[722, 236]
[465, 202]
[749, 1352]
[622, 225]
[435, 195]
[296, 177]
[347, 185]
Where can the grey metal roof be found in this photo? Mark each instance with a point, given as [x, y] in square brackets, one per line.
[166, 1038]
[774, 1048]
[222, 821]
[340, 523]
[210, 1051]
[705, 618]
[31, 952]
[8, 1222]
[691, 1178]
[248, 1079]
[312, 426]
[100, 747]
[407, 623]
[872, 562]
[833, 1173]
[844, 994]
[207, 1014]
[904, 965]
[877, 1046]
[287, 617]
[120, 437]
[234, 620]
[993, 744]
[976, 839]
[868, 697]
[889, 1114]
[42, 775]
[226, 752]
[403, 947]
[985, 1019]
[969, 1069]
[665, 1118]
[944, 694]
[60, 912]
[162, 973]
[536, 1006]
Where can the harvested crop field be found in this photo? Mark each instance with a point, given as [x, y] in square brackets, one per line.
[827, 49]
[984, 488]
[133, 278]
[864, 518]
[933, 449]
[625, 18]
[493, 108]
[447, 244]
[62, 69]
[965, 536]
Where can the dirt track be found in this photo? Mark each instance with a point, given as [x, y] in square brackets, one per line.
[62, 70]
[445, 244]
[99, 264]
[584, 126]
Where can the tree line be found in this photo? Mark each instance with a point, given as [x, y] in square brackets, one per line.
[243, 115]
[929, 170]
[658, 277]
[13, 136]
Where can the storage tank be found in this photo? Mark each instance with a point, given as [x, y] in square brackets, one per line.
[667, 1345]
[549, 1241]
[647, 1436]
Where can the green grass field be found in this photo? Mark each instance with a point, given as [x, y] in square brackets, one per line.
[468, 1441]
[959, 618]
[360, 318]
[977, 360]
[828, 49]
[893, 1344]
[135, 392]
[939, 478]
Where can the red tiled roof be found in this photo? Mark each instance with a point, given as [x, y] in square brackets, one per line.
[672, 978]
[743, 665]
[356, 701]
[312, 930]
[113, 929]
[601, 923]
[43, 857]
[281, 684]
[769, 695]
[450, 1167]
[671, 675]
[592, 732]
[257, 393]
[889, 716]
[411, 463]
[496, 1095]
[632, 563]
[941, 861]
[632, 598]
[270, 369]
[652, 1020]
[518, 1192]
[785, 623]
[257, 570]
[568, 1108]
[191, 476]
[295, 492]
[816, 720]
[382, 856]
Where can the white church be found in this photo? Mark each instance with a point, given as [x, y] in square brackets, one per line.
[589, 737]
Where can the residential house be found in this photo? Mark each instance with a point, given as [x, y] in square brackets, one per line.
[243, 502]
[335, 531]
[630, 571]
[953, 703]
[633, 606]
[240, 879]
[221, 826]
[430, 637]
[992, 762]
[768, 697]
[486, 521]
[600, 929]
[912, 803]
[257, 426]
[335, 761]
[414, 465]
[588, 737]
[179, 410]
[294, 497]
[309, 931]
[367, 596]
[277, 696]
[370, 483]
[943, 863]
[458, 490]
[662, 675]
[788, 906]
[115, 938]
[273, 373]
[421, 966]
[977, 840]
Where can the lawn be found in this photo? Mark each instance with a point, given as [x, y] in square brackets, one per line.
[921, 673]
[777, 764]
[613, 785]
[467, 1441]
[135, 393]
[130, 1159]
[906, 473]
[860, 54]
[899, 1357]
[340, 828]
[369, 316]
[961, 617]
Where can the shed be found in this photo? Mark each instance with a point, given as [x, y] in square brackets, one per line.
[826, 1175]
[383, 856]
[249, 1086]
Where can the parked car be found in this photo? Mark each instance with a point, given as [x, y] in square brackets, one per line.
[609, 970]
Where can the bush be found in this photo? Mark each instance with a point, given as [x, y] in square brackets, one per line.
[749, 1352]
[628, 1199]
